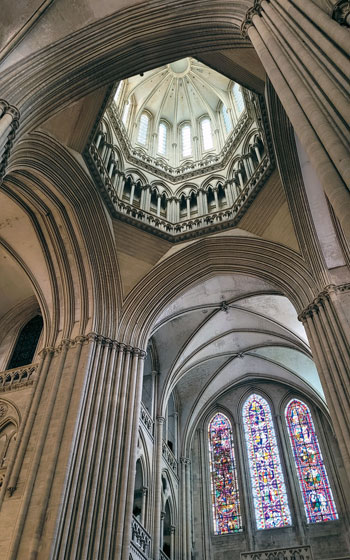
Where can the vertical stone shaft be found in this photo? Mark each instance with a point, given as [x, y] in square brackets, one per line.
[329, 157]
[135, 418]
[157, 486]
[328, 335]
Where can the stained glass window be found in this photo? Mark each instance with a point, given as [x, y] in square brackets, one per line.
[269, 490]
[317, 494]
[223, 474]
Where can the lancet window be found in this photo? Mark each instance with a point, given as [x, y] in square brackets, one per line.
[207, 135]
[223, 473]
[312, 475]
[162, 138]
[267, 481]
[226, 118]
[143, 129]
[186, 140]
[238, 97]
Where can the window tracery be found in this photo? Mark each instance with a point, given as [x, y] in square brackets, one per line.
[312, 475]
[224, 484]
[268, 487]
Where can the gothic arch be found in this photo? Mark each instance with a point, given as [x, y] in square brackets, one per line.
[281, 266]
[65, 216]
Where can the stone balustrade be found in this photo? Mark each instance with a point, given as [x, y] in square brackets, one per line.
[140, 540]
[17, 377]
[162, 555]
[189, 169]
[183, 228]
[146, 419]
[295, 553]
[169, 457]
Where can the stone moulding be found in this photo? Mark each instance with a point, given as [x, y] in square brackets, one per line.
[98, 339]
[319, 301]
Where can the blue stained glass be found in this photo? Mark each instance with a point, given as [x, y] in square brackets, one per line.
[223, 474]
[269, 490]
[316, 491]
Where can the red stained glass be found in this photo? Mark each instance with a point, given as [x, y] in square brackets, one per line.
[224, 485]
[317, 494]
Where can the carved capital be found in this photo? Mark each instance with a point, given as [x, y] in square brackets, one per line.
[341, 12]
[319, 301]
[248, 20]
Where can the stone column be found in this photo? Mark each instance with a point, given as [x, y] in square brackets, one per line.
[9, 122]
[158, 487]
[132, 193]
[308, 76]
[328, 329]
[143, 506]
[172, 542]
[216, 199]
[77, 455]
[188, 207]
[186, 508]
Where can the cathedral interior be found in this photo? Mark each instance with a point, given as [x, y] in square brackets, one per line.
[175, 280]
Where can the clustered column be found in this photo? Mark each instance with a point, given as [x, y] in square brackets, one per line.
[328, 331]
[295, 41]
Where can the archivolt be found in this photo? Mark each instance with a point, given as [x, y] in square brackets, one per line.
[208, 257]
[78, 235]
[161, 31]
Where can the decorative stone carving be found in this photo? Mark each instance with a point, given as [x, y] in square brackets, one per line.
[341, 12]
[318, 302]
[9, 122]
[3, 409]
[248, 20]
[295, 553]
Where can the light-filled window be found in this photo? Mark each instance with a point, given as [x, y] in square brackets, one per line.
[223, 474]
[227, 119]
[238, 97]
[312, 475]
[186, 140]
[118, 92]
[267, 481]
[162, 138]
[143, 129]
[126, 113]
[207, 135]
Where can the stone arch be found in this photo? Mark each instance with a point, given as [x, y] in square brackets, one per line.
[281, 266]
[64, 216]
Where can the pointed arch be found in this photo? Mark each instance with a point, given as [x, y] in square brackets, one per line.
[312, 475]
[267, 481]
[227, 516]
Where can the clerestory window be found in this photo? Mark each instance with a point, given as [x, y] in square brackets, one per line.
[162, 138]
[186, 140]
[226, 118]
[267, 481]
[143, 129]
[207, 135]
[312, 475]
[223, 474]
[238, 97]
